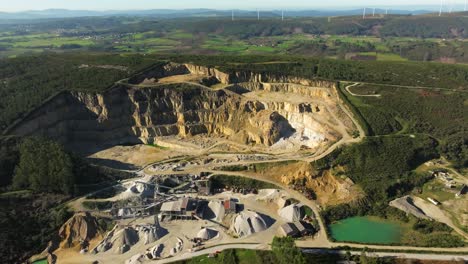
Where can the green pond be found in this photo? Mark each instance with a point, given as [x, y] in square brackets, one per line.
[365, 230]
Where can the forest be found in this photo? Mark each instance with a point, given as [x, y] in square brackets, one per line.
[441, 114]
[383, 167]
[27, 81]
[37, 176]
[223, 181]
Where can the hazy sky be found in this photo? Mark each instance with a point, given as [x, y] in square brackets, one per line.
[19, 5]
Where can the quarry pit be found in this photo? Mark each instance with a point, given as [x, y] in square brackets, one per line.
[189, 110]
[183, 119]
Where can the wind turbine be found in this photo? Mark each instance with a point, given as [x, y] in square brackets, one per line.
[373, 12]
[364, 14]
[232, 15]
[258, 14]
[464, 9]
[441, 4]
[282, 15]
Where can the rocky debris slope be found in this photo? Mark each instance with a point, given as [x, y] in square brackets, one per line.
[122, 238]
[78, 230]
[406, 204]
[328, 188]
[154, 73]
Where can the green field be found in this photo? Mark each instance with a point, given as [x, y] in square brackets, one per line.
[54, 42]
[332, 38]
[385, 56]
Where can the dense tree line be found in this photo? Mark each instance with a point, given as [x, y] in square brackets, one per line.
[455, 147]
[426, 27]
[36, 177]
[396, 73]
[9, 157]
[383, 167]
[286, 252]
[223, 181]
[440, 114]
[404, 26]
[27, 223]
[25, 82]
[451, 52]
[44, 166]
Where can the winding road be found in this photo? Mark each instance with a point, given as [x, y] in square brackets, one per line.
[359, 95]
[424, 256]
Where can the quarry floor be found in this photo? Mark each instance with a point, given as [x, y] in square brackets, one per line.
[185, 229]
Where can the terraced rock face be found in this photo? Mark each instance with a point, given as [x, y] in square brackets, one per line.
[131, 115]
[145, 109]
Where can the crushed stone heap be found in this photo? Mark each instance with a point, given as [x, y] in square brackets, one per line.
[249, 222]
[82, 227]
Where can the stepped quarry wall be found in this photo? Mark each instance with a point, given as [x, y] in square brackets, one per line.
[143, 109]
[133, 115]
[235, 77]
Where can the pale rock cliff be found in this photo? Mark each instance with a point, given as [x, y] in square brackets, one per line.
[133, 115]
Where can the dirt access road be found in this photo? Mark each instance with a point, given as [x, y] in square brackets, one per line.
[347, 88]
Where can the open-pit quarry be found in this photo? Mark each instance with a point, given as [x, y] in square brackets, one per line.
[189, 110]
[175, 126]
[171, 126]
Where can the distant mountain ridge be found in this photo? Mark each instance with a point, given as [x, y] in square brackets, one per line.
[173, 13]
